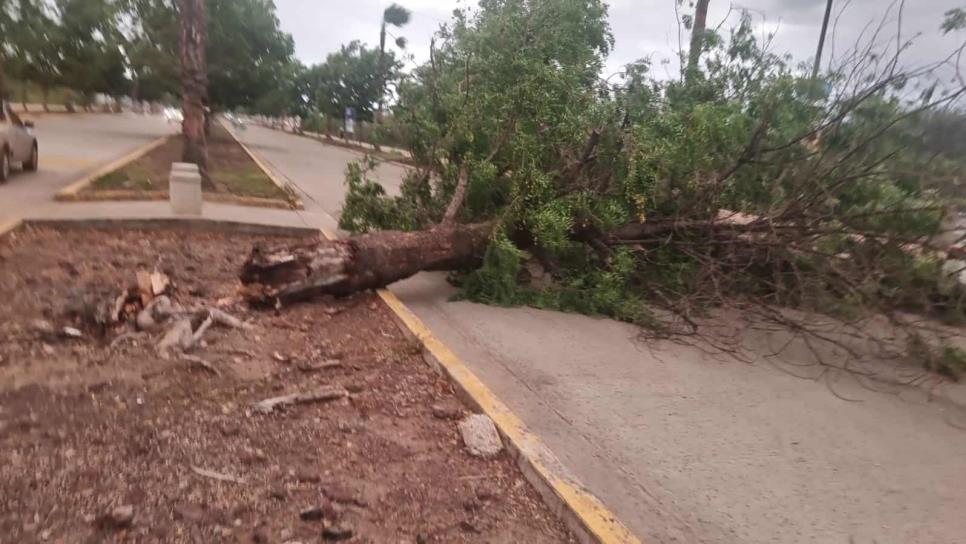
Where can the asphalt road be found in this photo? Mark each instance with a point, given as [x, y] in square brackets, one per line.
[681, 445]
[72, 146]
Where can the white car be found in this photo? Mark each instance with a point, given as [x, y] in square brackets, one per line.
[17, 143]
[173, 115]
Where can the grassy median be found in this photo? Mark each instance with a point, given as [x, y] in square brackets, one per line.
[232, 170]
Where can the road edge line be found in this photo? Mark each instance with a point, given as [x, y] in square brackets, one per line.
[583, 512]
[10, 225]
[295, 202]
[69, 193]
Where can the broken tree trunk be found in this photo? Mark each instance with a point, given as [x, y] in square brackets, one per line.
[343, 267]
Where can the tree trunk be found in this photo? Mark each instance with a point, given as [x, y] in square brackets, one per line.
[382, 73]
[697, 38]
[193, 40]
[46, 97]
[821, 40]
[3, 84]
[342, 267]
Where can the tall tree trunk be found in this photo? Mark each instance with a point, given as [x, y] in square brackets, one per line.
[821, 39]
[193, 40]
[342, 267]
[45, 92]
[382, 72]
[3, 84]
[697, 38]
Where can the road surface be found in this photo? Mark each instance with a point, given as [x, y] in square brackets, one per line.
[70, 147]
[682, 446]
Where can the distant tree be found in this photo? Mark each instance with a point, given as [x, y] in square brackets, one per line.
[152, 49]
[397, 16]
[954, 19]
[5, 28]
[289, 98]
[352, 78]
[34, 42]
[248, 54]
[90, 47]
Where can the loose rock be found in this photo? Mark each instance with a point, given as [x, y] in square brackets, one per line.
[314, 513]
[119, 518]
[336, 533]
[448, 410]
[480, 436]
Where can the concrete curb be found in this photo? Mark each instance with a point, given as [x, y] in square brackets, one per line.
[69, 193]
[9, 226]
[296, 202]
[349, 145]
[127, 195]
[583, 513]
[166, 223]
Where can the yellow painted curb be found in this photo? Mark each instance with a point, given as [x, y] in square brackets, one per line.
[70, 192]
[582, 511]
[9, 226]
[296, 202]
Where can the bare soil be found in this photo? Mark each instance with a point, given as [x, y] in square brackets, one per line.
[232, 170]
[88, 430]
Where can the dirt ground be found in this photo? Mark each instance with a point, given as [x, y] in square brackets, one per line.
[104, 443]
[231, 169]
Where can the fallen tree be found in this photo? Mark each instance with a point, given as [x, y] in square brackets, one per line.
[342, 267]
[651, 201]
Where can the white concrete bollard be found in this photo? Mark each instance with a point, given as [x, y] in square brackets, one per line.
[184, 188]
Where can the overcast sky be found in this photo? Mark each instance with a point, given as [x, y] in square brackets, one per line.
[641, 28]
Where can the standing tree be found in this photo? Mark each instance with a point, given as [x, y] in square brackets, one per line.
[5, 28]
[152, 49]
[248, 54]
[821, 39]
[398, 17]
[35, 46]
[347, 79]
[193, 40]
[89, 56]
[698, 27]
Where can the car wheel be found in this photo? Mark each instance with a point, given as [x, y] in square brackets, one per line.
[31, 164]
[4, 165]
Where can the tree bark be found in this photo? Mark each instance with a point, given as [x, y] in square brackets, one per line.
[193, 40]
[697, 38]
[342, 267]
[382, 74]
[459, 194]
[3, 84]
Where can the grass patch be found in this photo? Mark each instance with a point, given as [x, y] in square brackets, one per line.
[232, 170]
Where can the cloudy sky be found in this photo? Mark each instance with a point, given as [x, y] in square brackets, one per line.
[641, 28]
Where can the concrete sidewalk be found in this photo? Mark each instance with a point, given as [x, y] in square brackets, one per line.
[162, 210]
[682, 446]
